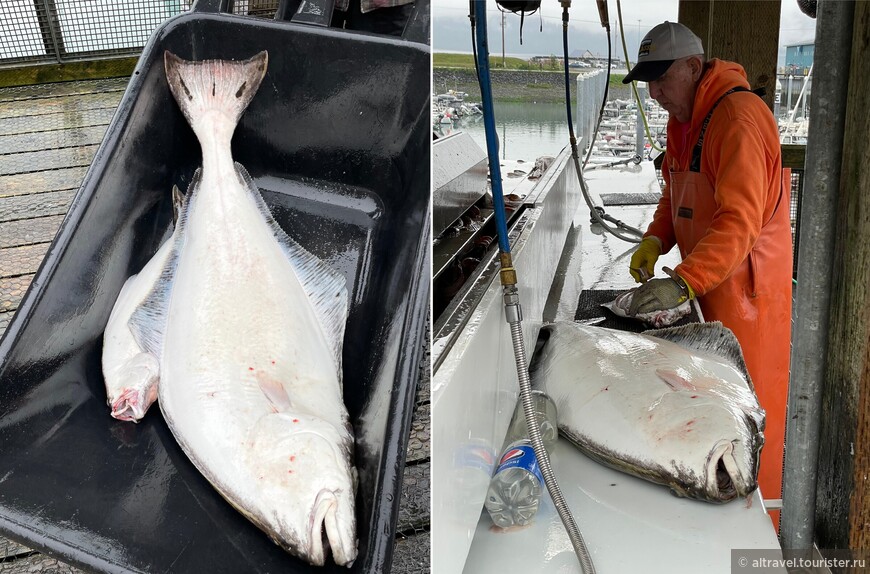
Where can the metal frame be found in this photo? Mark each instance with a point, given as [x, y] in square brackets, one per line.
[36, 32]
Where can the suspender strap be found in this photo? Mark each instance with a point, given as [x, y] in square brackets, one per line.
[696, 152]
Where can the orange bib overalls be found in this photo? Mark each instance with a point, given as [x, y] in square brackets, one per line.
[754, 301]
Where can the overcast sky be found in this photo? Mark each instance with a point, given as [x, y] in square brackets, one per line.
[451, 30]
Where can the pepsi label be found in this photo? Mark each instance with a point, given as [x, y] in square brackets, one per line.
[522, 455]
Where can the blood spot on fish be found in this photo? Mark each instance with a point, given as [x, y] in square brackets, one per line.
[292, 458]
[250, 368]
[273, 362]
[690, 423]
[694, 396]
[289, 472]
[295, 420]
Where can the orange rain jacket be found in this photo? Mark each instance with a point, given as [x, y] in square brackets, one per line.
[731, 223]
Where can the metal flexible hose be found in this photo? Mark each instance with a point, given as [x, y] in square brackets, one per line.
[514, 316]
[631, 234]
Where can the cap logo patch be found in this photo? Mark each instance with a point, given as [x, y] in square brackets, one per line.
[645, 48]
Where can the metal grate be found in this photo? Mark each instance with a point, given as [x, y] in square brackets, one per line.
[46, 31]
[797, 186]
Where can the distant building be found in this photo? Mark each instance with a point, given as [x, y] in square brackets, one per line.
[798, 59]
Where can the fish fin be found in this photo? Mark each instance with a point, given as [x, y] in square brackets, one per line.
[148, 321]
[177, 203]
[204, 85]
[325, 287]
[712, 338]
[675, 381]
[276, 393]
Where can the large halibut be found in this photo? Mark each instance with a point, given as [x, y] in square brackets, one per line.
[250, 379]
[674, 406]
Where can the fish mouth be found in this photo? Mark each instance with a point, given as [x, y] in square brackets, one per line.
[129, 406]
[724, 480]
[325, 530]
[724, 483]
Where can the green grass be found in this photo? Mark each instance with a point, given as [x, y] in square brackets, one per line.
[440, 60]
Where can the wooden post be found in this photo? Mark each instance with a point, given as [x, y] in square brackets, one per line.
[843, 488]
[740, 31]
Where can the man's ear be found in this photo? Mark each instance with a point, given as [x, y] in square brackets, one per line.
[696, 64]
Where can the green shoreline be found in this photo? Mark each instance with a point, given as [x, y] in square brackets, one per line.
[514, 79]
[519, 86]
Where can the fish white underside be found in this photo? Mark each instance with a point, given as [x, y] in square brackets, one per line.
[649, 402]
[243, 353]
[126, 367]
[250, 355]
[131, 374]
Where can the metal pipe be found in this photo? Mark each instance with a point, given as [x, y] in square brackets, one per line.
[815, 256]
[513, 310]
[514, 317]
[638, 124]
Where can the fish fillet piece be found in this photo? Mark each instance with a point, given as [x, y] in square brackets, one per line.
[250, 381]
[131, 375]
[674, 406]
[659, 318]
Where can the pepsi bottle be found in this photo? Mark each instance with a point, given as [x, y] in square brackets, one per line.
[517, 486]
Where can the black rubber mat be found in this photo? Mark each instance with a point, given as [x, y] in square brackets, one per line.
[589, 308]
[646, 198]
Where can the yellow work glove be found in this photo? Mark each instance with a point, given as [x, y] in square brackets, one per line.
[660, 294]
[643, 260]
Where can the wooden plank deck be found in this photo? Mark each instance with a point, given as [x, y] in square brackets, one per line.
[48, 136]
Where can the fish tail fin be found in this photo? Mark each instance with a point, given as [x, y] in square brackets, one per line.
[223, 86]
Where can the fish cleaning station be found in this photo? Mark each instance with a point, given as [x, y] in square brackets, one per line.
[522, 265]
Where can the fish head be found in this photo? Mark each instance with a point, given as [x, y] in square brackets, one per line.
[718, 444]
[132, 403]
[732, 471]
[132, 389]
[731, 468]
[306, 463]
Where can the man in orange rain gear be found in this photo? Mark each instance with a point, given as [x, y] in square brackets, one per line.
[726, 208]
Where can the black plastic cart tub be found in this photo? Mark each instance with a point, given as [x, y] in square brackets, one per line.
[337, 138]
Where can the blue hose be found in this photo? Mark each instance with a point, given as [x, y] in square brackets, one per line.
[489, 127]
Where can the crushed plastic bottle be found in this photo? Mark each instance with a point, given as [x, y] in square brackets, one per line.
[516, 487]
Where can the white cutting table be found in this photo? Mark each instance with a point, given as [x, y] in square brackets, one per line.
[629, 525]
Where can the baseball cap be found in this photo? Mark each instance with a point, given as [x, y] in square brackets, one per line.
[662, 45]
